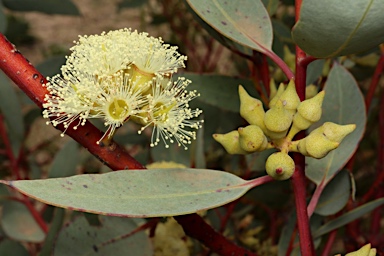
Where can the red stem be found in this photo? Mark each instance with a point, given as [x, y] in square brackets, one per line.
[315, 199]
[116, 157]
[328, 245]
[8, 150]
[374, 82]
[280, 63]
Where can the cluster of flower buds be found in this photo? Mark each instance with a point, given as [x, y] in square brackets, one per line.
[276, 128]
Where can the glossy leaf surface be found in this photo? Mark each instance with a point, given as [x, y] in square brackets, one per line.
[331, 28]
[343, 104]
[138, 193]
[247, 23]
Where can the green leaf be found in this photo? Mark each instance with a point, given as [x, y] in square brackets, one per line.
[79, 238]
[247, 23]
[343, 104]
[51, 66]
[218, 90]
[3, 20]
[18, 223]
[138, 193]
[131, 4]
[45, 6]
[271, 6]
[54, 229]
[65, 161]
[10, 248]
[314, 71]
[348, 217]
[174, 154]
[11, 109]
[335, 195]
[331, 28]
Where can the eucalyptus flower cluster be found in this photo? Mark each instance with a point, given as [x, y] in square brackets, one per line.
[275, 128]
[119, 76]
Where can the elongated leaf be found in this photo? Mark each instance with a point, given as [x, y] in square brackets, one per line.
[335, 195]
[343, 104]
[65, 161]
[348, 217]
[11, 109]
[247, 23]
[138, 193]
[44, 6]
[331, 28]
[218, 90]
[314, 71]
[79, 238]
[52, 234]
[18, 223]
[9, 247]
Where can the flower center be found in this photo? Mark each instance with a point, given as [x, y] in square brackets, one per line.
[162, 110]
[118, 109]
[141, 79]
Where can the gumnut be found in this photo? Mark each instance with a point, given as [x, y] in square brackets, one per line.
[252, 138]
[309, 111]
[230, 141]
[316, 144]
[251, 109]
[280, 166]
[289, 98]
[366, 250]
[277, 95]
[278, 119]
[336, 132]
[310, 91]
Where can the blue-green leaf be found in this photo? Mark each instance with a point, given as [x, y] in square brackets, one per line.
[65, 161]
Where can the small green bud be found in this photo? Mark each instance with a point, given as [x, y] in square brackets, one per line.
[251, 109]
[336, 132]
[278, 119]
[310, 91]
[289, 57]
[316, 144]
[311, 109]
[289, 98]
[276, 97]
[280, 166]
[230, 141]
[366, 250]
[252, 138]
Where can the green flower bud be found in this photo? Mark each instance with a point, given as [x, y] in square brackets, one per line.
[276, 97]
[310, 91]
[280, 166]
[251, 109]
[309, 112]
[336, 132]
[230, 141]
[278, 119]
[366, 250]
[289, 98]
[316, 144]
[289, 58]
[252, 139]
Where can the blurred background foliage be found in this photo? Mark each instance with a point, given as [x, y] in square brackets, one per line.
[263, 220]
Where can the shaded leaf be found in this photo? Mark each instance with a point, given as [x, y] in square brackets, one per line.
[11, 109]
[65, 161]
[51, 66]
[247, 23]
[138, 193]
[174, 154]
[45, 6]
[271, 6]
[348, 217]
[79, 238]
[314, 71]
[343, 104]
[131, 3]
[3, 20]
[332, 28]
[11, 248]
[335, 195]
[18, 223]
[54, 229]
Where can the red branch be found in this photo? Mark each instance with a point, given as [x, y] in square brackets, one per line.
[374, 82]
[23, 74]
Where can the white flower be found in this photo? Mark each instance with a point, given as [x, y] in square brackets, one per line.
[77, 96]
[169, 113]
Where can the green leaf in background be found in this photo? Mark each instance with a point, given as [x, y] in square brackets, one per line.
[335, 195]
[348, 217]
[174, 154]
[65, 161]
[218, 90]
[247, 23]
[3, 20]
[271, 6]
[18, 223]
[331, 28]
[79, 238]
[314, 71]
[11, 109]
[65, 7]
[138, 193]
[10, 248]
[343, 104]
[51, 66]
[131, 4]
[54, 229]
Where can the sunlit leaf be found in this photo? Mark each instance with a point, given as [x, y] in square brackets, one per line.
[335, 195]
[138, 193]
[331, 28]
[343, 104]
[111, 238]
[348, 217]
[247, 23]
[45, 6]
[18, 223]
